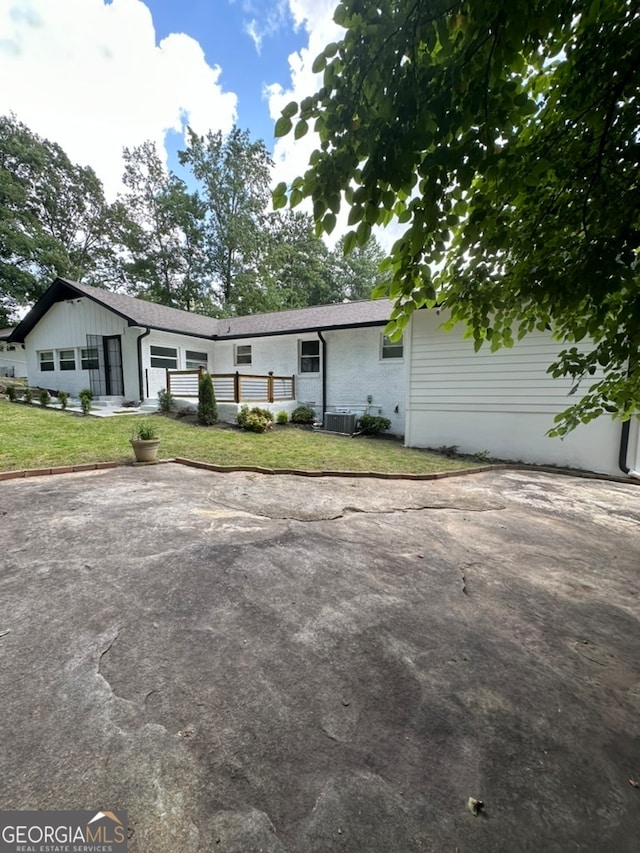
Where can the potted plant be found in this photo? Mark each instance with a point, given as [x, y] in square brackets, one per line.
[145, 441]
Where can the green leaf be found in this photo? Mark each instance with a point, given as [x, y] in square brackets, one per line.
[350, 242]
[283, 126]
[290, 110]
[319, 64]
[329, 222]
[301, 129]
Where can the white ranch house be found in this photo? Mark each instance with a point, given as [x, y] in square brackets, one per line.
[334, 358]
[432, 386]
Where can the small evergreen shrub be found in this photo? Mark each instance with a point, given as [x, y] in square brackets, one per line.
[282, 418]
[85, 397]
[255, 420]
[11, 393]
[166, 401]
[303, 415]
[44, 397]
[63, 396]
[372, 424]
[207, 408]
[28, 396]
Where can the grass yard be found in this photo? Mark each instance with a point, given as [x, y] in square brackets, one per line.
[33, 437]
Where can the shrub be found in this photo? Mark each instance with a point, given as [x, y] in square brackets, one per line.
[184, 412]
[85, 400]
[255, 420]
[303, 415]
[63, 396]
[44, 397]
[144, 431]
[28, 396]
[11, 393]
[166, 401]
[207, 408]
[372, 424]
[282, 418]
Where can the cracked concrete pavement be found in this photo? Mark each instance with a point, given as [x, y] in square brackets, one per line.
[249, 663]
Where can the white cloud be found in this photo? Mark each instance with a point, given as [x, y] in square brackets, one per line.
[266, 19]
[291, 156]
[90, 76]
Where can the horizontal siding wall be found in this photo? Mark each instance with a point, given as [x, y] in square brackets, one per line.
[501, 402]
[66, 326]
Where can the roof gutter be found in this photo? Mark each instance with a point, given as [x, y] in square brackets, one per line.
[624, 450]
[140, 373]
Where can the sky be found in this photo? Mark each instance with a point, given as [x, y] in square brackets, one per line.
[98, 75]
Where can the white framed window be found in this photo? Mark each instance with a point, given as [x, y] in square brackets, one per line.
[164, 357]
[241, 354]
[309, 357]
[391, 349]
[67, 359]
[89, 358]
[195, 360]
[45, 359]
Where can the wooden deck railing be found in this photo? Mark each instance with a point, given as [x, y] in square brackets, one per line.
[234, 387]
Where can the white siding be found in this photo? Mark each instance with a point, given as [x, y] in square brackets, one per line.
[13, 360]
[501, 402]
[354, 370]
[155, 377]
[278, 354]
[66, 326]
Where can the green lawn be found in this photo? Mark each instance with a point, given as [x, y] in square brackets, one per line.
[33, 437]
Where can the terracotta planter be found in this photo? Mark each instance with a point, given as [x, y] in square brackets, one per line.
[146, 450]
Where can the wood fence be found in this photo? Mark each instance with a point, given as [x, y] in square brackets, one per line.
[234, 387]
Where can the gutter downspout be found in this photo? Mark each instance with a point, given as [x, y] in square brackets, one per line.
[624, 449]
[140, 374]
[324, 375]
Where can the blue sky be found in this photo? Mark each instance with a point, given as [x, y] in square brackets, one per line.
[98, 75]
[251, 43]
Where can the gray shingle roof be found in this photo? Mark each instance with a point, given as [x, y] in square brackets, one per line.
[139, 312]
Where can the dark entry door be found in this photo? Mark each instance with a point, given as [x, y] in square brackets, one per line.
[113, 366]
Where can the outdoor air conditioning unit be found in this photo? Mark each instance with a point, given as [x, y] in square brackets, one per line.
[340, 422]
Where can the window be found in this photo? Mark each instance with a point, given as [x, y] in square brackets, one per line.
[46, 360]
[309, 356]
[391, 349]
[195, 360]
[164, 357]
[89, 358]
[67, 359]
[242, 354]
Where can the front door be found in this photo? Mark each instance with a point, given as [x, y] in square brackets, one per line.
[113, 366]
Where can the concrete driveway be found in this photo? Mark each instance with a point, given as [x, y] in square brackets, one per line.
[270, 663]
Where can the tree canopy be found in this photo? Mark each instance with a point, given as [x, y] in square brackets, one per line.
[207, 243]
[54, 219]
[505, 136]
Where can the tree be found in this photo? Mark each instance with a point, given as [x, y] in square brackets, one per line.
[54, 219]
[505, 136]
[296, 267]
[207, 406]
[162, 230]
[233, 175]
[358, 271]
